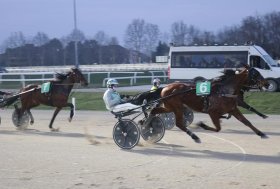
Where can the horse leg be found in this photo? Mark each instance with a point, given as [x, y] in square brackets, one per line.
[239, 116]
[216, 121]
[71, 111]
[53, 118]
[154, 111]
[19, 113]
[243, 104]
[179, 115]
[31, 117]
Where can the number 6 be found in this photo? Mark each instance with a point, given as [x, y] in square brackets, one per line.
[203, 87]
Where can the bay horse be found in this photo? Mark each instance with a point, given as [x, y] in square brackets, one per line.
[150, 96]
[60, 88]
[221, 100]
[252, 84]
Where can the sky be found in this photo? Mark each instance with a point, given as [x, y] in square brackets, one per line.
[56, 17]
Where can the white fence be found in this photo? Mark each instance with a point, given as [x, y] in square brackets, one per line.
[133, 79]
[24, 77]
[93, 68]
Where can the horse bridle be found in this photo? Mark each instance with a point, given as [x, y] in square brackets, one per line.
[254, 78]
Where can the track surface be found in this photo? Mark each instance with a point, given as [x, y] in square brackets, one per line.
[83, 155]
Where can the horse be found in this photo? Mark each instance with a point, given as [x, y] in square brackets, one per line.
[221, 100]
[253, 84]
[150, 96]
[60, 88]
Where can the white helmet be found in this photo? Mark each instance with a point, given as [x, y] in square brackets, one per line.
[156, 82]
[112, 82]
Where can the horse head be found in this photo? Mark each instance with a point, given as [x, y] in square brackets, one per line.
[78, 77]
[256, 79]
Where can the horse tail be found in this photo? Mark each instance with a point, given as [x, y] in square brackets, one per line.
[154, 95]
[10, 100]
[147, 95]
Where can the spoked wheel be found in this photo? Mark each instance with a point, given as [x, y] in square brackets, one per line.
[20, 122]
[126, 134]
[153, 131]
[188, 116]
[168, 120]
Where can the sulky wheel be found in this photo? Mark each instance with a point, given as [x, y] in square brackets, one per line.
[126, 134]
[168, 120]
[188, 113]
[20, 122]
[154, 130]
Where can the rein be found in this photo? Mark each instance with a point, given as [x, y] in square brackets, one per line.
[172, 94]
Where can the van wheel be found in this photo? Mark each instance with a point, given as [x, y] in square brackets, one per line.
[273, 86]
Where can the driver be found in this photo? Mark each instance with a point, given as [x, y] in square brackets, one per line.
[3, 94]
[156, 84]
[113, 100]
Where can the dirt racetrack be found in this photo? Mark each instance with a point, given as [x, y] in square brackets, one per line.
[83, 155]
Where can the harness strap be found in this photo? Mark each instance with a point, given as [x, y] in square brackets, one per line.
[229, 95]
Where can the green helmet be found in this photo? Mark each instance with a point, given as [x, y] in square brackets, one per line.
[112, 82]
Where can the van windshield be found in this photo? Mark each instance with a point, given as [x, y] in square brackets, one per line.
[270, 61]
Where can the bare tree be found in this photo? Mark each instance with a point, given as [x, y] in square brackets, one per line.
[152, 37]
[179, 31]
[75, 35]
[165, 37]
[204, 37]
[135, 39]
[16, 39]
[113, 41]
[141, 37]
[252, 29]
[272, 33]
[101, 37]
[2, 48]
[229, 36]
[182, 34]
[40, 39]
[135, 35]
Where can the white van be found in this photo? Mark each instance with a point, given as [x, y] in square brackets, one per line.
[206, 62]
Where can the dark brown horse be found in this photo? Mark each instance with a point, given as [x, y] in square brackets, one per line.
[222, 100]
[60, 88]
[252, 84]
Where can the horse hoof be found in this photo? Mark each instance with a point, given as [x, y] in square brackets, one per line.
[264, 117]
[263, 136]
[69, 119]
[197, 140]
[31, 122]
[54, 130]
[199, 124]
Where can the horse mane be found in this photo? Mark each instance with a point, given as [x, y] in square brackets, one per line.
[61, 76]
[226, 74]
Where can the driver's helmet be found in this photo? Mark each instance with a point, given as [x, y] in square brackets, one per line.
[111, 83]
[156, 82]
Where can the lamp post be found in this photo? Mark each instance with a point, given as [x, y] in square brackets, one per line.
[75, 36]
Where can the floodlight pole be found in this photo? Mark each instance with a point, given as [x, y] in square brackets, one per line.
[75, 36]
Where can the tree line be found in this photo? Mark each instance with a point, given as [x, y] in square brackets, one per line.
[142, 42]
